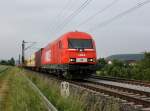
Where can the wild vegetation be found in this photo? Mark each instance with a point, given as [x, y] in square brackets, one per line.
[17, 95]
[20, 96]
[139, 70]
[51, 89]
[8, 62]
[77, 100]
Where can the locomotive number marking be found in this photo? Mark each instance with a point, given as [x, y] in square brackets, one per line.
[48, 56]
[81, 55]
[81, 59]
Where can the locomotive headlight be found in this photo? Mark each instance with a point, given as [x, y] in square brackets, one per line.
[72, 60]
[91, 60]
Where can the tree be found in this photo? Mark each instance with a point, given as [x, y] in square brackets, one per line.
[118, 63]
[102, 62]
[3, 62]
[140, 71]
[145, 63]
[11, 62]
[8, 62]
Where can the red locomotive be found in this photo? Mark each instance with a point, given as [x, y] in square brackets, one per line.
[73, 55]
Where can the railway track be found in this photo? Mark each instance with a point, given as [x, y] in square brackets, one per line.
[123, 80]
[131, 95]
[137, 97]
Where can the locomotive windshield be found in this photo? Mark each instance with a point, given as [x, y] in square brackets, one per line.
[80, 43]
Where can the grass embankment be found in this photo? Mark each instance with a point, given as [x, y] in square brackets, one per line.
[3, 68]
[51, 89]
[20, 96]
[4, 80]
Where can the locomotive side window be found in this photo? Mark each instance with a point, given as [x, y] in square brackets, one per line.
[60, 44]
[80, 43]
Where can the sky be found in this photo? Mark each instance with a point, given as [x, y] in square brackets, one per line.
[43, 21]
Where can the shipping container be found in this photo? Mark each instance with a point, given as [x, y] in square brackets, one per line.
[38, 56]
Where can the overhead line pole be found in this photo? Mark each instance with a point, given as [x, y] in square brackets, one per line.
[24, 49]
[23, 52]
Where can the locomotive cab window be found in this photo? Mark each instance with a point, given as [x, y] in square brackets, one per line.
[80, 43]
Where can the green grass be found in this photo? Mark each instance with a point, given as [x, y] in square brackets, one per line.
[21, 97]
[51, 90]
[3, 87]
[77, 101]
[3, 68]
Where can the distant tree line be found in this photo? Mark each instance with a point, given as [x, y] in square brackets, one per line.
[140, 70]
[8, 62]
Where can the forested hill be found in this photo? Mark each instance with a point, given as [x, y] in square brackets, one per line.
[126, 57]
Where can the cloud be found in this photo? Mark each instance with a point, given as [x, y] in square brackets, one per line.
[35, 20]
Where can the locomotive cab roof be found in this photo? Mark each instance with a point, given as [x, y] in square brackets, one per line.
[77, 35]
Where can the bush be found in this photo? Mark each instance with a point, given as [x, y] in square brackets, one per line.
[139, 71]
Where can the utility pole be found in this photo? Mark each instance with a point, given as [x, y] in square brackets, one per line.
[23, 49]
[19, 60]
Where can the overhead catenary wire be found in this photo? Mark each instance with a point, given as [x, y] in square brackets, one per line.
[104, 23]
[72, 15]
[68, 7]
[60, 13]
[97, 13]
[68, 19]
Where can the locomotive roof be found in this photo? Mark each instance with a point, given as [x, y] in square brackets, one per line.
[76, 34]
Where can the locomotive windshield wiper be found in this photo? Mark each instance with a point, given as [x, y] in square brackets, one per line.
[81, 49]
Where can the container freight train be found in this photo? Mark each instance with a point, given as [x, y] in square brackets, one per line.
[72, 56]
